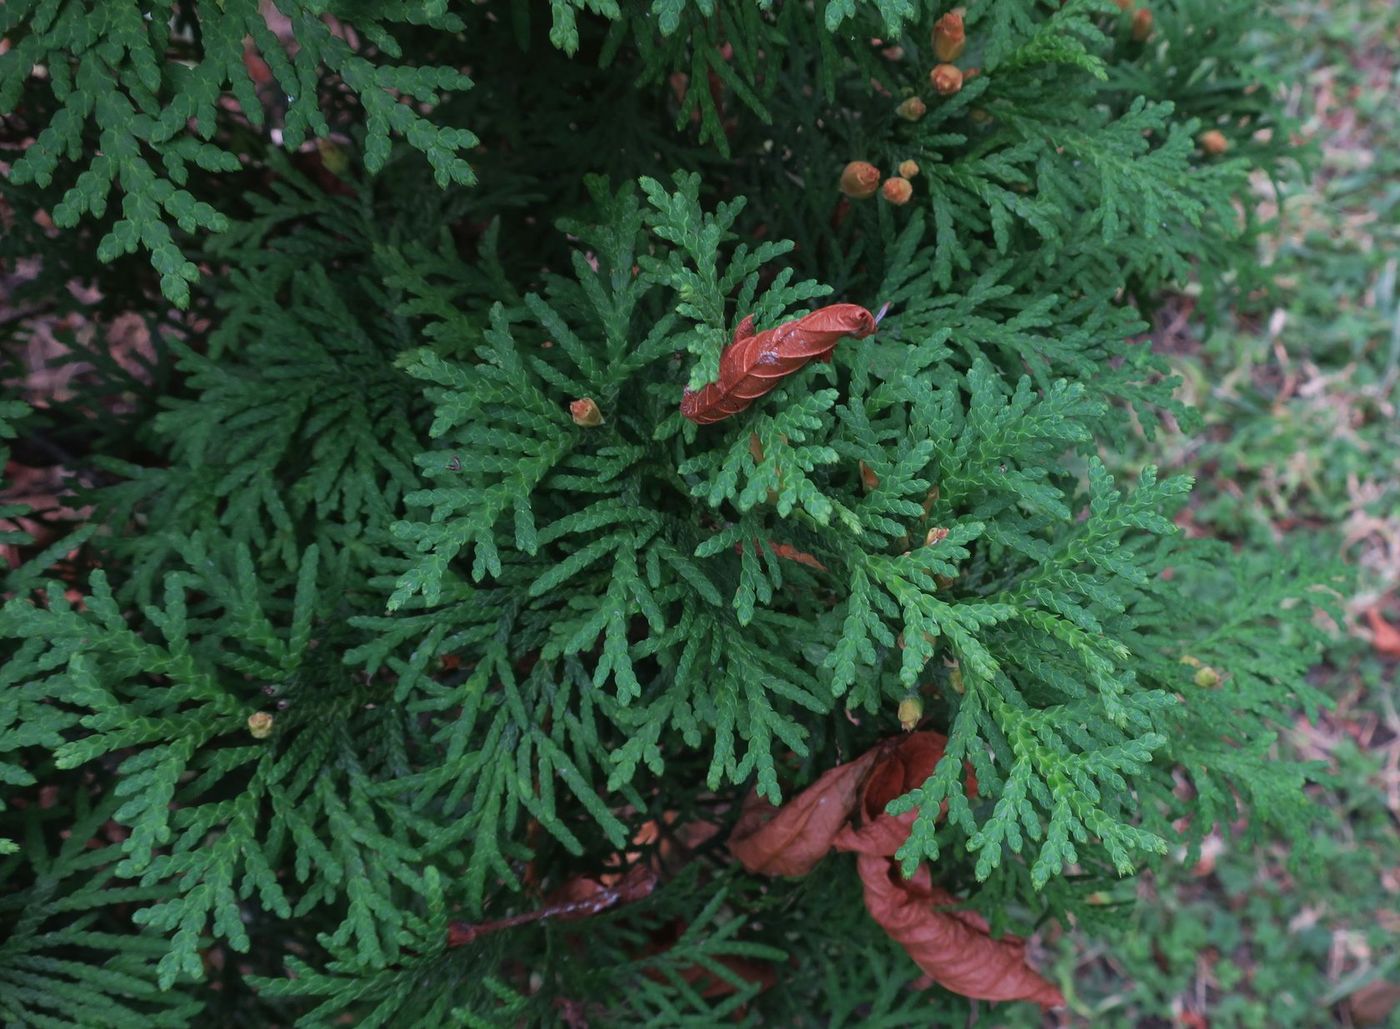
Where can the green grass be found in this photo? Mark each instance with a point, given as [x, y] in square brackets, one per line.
[1299, 388]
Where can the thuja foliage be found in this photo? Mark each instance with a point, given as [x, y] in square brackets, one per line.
[368, 634]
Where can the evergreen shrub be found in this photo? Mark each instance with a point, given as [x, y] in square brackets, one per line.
[408, 657]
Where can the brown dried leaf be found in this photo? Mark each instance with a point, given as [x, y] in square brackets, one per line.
[754, 363]
[1384, 636]
[901, 768]
[1373, 1003]
[952, 946]
[791, 839]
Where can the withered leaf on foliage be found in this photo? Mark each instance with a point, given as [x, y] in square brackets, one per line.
[1385, 638]
[952, 945]
[754, 363]
[845, 809]
[1373, 1003]
[902, 767]
[791, 839]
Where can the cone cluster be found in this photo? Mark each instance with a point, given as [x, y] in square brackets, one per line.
[861, 180]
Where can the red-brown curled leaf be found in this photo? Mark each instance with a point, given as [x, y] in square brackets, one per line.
[791, 839]
[903, 767]
[755, 363]
[952, 946]
[1384, 636]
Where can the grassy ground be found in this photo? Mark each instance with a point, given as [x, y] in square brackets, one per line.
[1300, 392]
